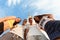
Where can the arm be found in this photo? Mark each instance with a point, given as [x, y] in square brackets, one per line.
[7, 18]
[4, 25]
[25, 33]
[11, 23]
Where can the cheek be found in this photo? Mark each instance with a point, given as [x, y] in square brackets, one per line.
[17, 20]
[36, 19]
[30, 21]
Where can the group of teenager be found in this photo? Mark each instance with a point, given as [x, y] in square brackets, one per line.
[39, 27]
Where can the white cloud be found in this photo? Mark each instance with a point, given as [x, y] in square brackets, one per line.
[40, 4]
[56, 8]
[13, 2]
[52, 5]
[18, 1]
[9, 2]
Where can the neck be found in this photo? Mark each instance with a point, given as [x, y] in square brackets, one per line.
[30, 23]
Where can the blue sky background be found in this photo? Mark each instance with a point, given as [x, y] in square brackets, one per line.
[21, 8]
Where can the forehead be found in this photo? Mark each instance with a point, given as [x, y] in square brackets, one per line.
[24, 20]
[18, 19]
[30, 18]
[36, 17]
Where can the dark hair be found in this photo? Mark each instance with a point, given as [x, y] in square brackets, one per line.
[16, 23]
[25, 20]
[39, 16]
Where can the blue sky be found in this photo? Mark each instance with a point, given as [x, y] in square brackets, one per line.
[21, 8]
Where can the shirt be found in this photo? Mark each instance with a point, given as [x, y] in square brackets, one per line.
[10, 23]
[33, 30]
[18, 31]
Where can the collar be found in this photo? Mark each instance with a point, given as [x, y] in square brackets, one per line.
[44, 21]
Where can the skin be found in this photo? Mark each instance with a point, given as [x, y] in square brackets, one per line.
[25, 31]
[24, 22]
[37, 19]
[7, 18]
[4, 20]
[17, 19]
[30, 21]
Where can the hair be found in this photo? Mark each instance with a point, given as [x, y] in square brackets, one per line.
[16, 23]
[40, 17]
[25, 20]
[30, 18]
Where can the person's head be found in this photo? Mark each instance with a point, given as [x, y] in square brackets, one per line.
[30, 20]
[39, 17]
[24, 21]
[17, 20]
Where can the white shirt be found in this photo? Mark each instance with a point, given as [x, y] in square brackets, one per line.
[45, 34]
[33, 30]
[18, 31]
[43, 21]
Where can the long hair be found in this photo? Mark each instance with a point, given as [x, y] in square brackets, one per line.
[25, 20]
[16, 23]
[39, 16]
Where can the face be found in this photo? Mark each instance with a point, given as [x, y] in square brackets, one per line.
[30, 20]
[24, 22]
[17, 19]
[36, 19]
